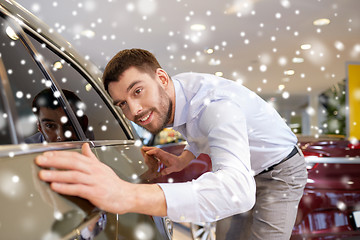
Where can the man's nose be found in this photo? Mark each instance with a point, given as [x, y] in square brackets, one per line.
[60, 134]
[135, 108]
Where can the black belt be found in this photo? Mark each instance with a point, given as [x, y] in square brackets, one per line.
[293, 152]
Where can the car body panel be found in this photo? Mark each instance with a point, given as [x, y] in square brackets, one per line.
[31, 204]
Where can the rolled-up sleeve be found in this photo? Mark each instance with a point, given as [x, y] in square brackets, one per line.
[230, 188]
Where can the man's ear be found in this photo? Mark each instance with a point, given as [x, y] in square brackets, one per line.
[163, 77]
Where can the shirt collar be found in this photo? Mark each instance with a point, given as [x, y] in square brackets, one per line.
[181, 104]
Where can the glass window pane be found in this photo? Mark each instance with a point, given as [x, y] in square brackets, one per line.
[101, 124]
[35, 121]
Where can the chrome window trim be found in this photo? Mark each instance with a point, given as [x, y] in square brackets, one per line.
[100, 143]
[333, 160]
[24, 149]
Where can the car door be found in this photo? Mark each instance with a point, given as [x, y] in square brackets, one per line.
[29, 209]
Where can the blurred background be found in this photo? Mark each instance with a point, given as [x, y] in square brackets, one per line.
[295, 54]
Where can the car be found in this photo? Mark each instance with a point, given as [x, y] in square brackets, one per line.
[52, 98]
[330, 206]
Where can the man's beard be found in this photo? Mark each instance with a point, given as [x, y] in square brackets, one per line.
[167, 111]
[165, 122]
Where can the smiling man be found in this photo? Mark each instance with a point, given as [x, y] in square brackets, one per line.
[258, 171]
[143, 102]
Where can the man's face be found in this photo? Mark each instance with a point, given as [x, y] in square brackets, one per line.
[55, 126]
[143, 98]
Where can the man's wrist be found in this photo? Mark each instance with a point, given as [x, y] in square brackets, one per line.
[148, 199]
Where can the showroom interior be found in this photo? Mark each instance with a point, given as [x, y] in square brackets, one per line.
[293, 54]
[302, 57]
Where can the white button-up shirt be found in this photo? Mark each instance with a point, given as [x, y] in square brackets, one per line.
[242, 134]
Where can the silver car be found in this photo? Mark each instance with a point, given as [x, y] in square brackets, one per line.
[52, 99]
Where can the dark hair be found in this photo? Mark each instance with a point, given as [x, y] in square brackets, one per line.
[46, 98]
[142, 59]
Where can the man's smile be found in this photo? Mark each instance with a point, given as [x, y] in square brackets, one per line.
[146, 119]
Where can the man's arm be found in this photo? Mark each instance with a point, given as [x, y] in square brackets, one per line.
[230, 188]
[83, 175]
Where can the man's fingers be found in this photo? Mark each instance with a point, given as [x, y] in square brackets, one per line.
[64, 177]
[74, 161]
[155, 152]
[146, 148]
[86, 150]
[64, 154]
[71, 189]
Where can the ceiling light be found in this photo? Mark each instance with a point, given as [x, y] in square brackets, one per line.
[58, 65]
[11, 33]
[321, 22]
[219, 74]
[297, 60]
[197, 27]
[209, 51]
[289, 72]
[88, 87]
[88, 33]
[305, 46]
[281, 87]
[214, 62]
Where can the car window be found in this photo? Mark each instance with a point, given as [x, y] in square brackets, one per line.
[26, 81]
[101, 123]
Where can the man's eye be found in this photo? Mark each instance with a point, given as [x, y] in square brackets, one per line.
[49, 125]
[138, 91]
[122, 104]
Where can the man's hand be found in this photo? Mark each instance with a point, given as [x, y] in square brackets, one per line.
[83, 175]
[173, 163]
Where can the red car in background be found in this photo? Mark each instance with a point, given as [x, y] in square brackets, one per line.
[330, 206]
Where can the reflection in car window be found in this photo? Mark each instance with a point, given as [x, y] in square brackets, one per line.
[102, 125]
[26, 80]
[52, 121]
